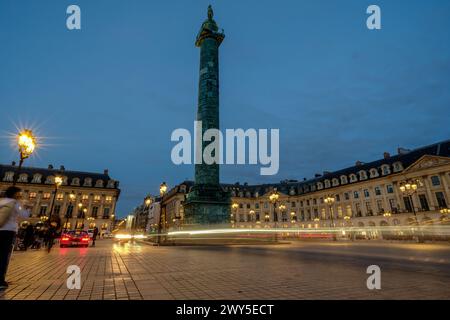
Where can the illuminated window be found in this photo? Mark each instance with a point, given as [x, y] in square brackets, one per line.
[85, 197]
[59, 196]
[32, 195]
[108, 198]
[97, 198]
[46, 195]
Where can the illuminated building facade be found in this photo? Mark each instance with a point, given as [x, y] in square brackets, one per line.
[83, 199]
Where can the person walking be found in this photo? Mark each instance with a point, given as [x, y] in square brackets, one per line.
[94, 235]
[10, 212]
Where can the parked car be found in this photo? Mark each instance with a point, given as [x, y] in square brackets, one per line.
[74, 239]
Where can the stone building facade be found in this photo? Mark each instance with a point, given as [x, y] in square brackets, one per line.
[84, 199]
[365, 195]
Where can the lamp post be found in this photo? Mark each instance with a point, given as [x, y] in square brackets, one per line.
[234, 207]
[148, 201]
[26, 142]
[58, 182]
[329, 200]
[409, 188]
[274, 198]
[162, 192]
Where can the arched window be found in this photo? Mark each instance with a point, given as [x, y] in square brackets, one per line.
[353, 177]
[397, 166]
[373, 173]
[75, 182]
[362, 175]
[385, 169]
[327, 183]
[99, 183]
[344, 179]
[23, 177]
[335, 182]
[319, 185]
[87, 182]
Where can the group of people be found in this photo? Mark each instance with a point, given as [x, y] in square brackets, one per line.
[12, 209]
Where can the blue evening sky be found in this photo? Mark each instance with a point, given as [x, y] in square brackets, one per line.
[110, 95]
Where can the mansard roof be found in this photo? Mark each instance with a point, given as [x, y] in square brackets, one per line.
[31, 171]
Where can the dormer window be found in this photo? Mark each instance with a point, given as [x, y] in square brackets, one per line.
[319, 185]
[75, 182]
[65, 180]
[37, 178]
[111, 184]
[374, 173]
[292, 192]
[99, 183]
[344, 180]
[9, 176]
[50, 180]
[248, 194]
[362, 175]
[353, 177]
[397, 166]
[327, 183]
[256, 194]
[23, 178]
[385, 169]
[335, 182]
[87, 182]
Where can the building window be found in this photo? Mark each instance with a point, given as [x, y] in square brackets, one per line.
[358, 209]
[241, 205]
[108, 198]
[57, 209]
[293, 204]
[408, 205]
[353, 178]
[69, 211]
[441, 200]
[257, 205]
[46, 196]
[257, 216]
[424, 202]
[380, 206]
[369, 209]
[390, 188]
[84, 197]
[338, 198]
[266, 205]
[42, 210]
[106, 213]
[248, 205]
[94, 212]
[343, 179]
[356, 195]
[435, 181]
[32, 195]
[59, 196]
[398, 167]
[377, 191]
[393, 205]
[307, 202]
[366, 193]
[339, 209]
[97, 198]
[362, 175]
[346, 196]
[314, 201]
[385, 169]
[241, 217]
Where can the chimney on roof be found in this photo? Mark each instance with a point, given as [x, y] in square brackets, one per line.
[401, 151]
[358, 163]
[317, 175]
[50, 167]
[13, 163]
[106, 171]
[304, 179]
[386, 155]
[62, 168]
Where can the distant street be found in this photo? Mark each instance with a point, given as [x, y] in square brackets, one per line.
[300, 270]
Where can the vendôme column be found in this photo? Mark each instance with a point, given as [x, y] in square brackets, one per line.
[207, 202]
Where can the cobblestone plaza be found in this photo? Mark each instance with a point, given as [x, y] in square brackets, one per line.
[299, 270]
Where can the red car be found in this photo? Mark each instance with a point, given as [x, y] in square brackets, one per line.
[74, 239]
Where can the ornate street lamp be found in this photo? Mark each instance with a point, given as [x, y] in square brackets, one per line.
[329, 200]
[234, 207]
[162, 189]
[409, 188]
[58, 182]
[26, 143]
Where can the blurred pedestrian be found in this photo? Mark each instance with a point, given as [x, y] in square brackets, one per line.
[10, 211]
[94, 235]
